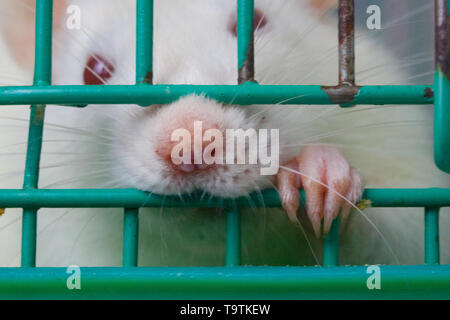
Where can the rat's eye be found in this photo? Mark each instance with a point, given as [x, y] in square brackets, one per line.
[98, 70]
[259, 22]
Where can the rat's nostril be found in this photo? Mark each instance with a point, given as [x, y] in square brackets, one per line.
[191, 166]
[192, 158]
[186, 139]
[186, 167]
[202, 166]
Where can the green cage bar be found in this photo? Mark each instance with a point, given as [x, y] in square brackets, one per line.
[144, 41]
[245, 94]
[244, 29]
[131, 198]
[144, 75]
[42, 77]
[233, 235]
[330, 245]
[442, 86]
[130, 237]
[429, 281]
[245, 56]
[432, 236]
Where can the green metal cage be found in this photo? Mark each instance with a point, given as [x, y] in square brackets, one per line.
[430, 280]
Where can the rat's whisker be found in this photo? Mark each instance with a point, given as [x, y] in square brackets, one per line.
[397, 67]
[268, 108]
[91, 175]
[10, 223]
[417, 76]
[59, 218]
[409, 61]
[65, 129]
[394, 124]
[375, 125]
[348, 145]
[339, 112]
[304, 33]
[88, 155]
[308, 242]
[12, 77]
[260, 195]
[80, 233]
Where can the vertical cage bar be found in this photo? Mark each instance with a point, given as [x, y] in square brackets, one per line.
[42, 77]
[130, 237]
[144, 41]
[347, 42]
[246, 52]
[233, 236]
[330, 245]
[246, 72]
[442, 86]
[432, 236]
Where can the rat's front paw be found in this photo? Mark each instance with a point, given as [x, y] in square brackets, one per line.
[330, 185]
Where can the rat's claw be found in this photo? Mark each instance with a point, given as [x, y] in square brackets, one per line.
[329, 183]
[288, 185]
[354, 193]
[314, 193]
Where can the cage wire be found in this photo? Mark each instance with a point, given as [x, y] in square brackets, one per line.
[430, 280]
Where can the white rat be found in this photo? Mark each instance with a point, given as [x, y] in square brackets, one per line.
[129, 146]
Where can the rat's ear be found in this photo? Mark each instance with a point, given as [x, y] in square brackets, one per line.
[322, 6]
[17, 18]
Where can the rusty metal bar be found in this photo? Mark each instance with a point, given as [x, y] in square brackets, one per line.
[347, 42]
[345, 92]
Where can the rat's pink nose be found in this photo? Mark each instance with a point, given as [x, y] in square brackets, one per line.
[191, 166]
[187, 133]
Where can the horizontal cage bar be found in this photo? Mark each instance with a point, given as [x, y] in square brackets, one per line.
[245, 94]
[131, 198]
[430, 281]
[398, 282]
